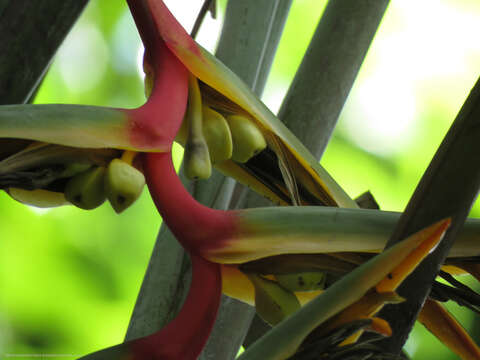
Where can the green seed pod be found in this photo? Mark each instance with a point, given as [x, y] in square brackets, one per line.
[247, 138]
[217, 134]
[86, 190]
[196, 160]
[302, 281]
[273, 302]
[39, 198]
[197, 163]
[123, 184]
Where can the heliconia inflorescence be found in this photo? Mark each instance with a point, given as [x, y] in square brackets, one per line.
[275, 258]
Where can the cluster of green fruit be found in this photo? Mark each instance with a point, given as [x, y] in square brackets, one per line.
[210, 137]
[46, 175]
[119, 182]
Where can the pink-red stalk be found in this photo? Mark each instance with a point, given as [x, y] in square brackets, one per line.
[186, 335]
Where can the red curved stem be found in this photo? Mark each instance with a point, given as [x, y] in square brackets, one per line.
[155, 124]
[197, 227]
[185, 336]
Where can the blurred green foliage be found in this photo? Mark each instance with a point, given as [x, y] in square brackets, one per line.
[69, 278]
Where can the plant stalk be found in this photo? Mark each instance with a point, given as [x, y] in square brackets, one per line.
[323, 81]
[23, 26]
[448, 188]
[328, 70]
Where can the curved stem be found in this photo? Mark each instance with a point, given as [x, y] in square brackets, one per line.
[197, 227]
